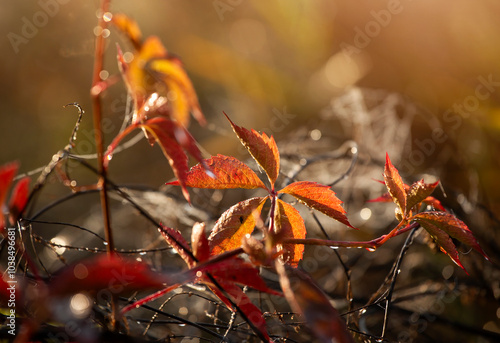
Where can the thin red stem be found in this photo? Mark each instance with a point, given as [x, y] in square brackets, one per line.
[95, 93]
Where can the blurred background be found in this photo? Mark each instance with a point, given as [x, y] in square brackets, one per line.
[418, 79]
[272, 66]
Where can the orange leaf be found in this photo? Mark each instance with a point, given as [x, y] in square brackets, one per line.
[451, 225]
[289, 224]
[129, 27]
[181, 90]
[153, 70]
[395, 184]
[306, 298]
[319, 197]
[227, 172]
[235, 223]
[262, 148]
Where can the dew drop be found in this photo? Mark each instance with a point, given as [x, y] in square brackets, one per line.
[333, 247]
[105, 243]
[362, 311]
[142, 253]
[109, 157]
[371, 249]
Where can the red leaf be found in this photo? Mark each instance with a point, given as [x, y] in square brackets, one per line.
[234, 224]
[262, 148]
[113, 273]
[227, 172]
[236, 270]
[418, 192]
[306, 298]
[199, 242]
[319, 197]
[289, 224]
[452, 226]
[395, 184]
[19, 197]
[444, 241]
[7, 173]
[178, 243]
[434, 203]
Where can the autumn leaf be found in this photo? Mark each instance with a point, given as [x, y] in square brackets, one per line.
[227, 172]
[234, 224]
[154, 70]
[289, 224]
[170, 70]
[106, 272]
[319, 197]
[418, 192]
[395, 185]
[306, 298]
[262, 148]
[178, 243]
[19, 197]
[129, 27]
[19, 194]
[443, 240]
[451, 225]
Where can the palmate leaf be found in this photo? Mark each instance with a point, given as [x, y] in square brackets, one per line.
[289, 224]
[319, 197]
[226, 172]
[437, 222]
[306, 298]
[395, 184]
[173, 140]
[262, 148]
[234, 224]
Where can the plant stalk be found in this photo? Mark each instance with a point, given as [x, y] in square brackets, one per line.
[95, 93]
